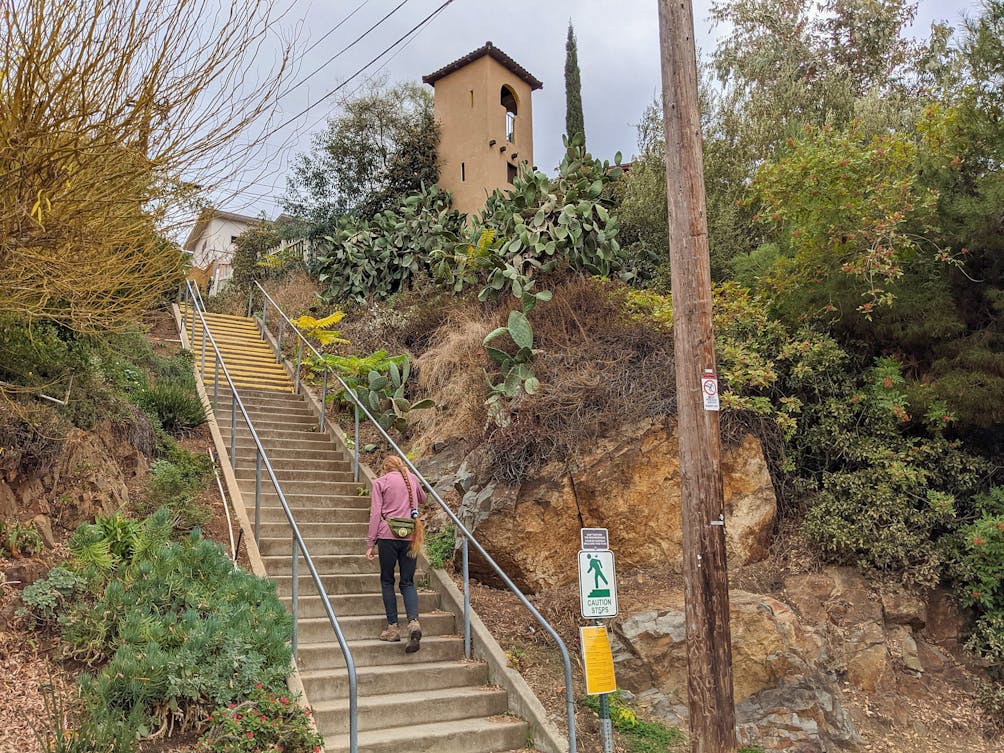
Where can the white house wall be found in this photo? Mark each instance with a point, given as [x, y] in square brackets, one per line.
[214, 244]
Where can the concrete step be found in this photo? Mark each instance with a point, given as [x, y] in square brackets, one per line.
[323, 454]
[304, 475]
[266, 381]
[280, 529]
[269, 498]
[353, 583]
[278, 413]
[270, 419]
[326, 564]
[501, 733]
[335, 463]
[405, 709]
[374, 652]
[336, 516]
[279, 439]
[326, 686]
[346, 605]
[361, 627]
[319, 547]
[294, 486]
[264, 399]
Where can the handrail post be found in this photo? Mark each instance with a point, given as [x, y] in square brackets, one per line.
[257, 496]
[216, 383]
[264, 311]
[467, 599]
[355, 444]
[191, 337]
[233, 428]
[296, 594]
[299, 359]
[278, 341]
[324, 400]
[250, 299]
[202, 367]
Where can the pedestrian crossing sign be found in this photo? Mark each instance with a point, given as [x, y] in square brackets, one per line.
[597, 584]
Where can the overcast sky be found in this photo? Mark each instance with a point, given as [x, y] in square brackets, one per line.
[618, 44]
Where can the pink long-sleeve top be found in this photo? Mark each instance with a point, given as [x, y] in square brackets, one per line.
[389, 499]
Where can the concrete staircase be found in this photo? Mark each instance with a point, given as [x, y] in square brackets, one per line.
[432, 700]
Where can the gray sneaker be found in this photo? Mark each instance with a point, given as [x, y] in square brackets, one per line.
[391, 633]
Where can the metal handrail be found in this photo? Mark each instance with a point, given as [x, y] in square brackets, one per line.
[468, 537]
[194, 301]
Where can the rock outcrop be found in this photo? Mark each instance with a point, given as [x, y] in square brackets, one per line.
[630, 486]
[786, 696]
[90, 476]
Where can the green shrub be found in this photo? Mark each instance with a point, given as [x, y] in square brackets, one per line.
[976, 556]
[440, 545]
[45, 599]
[19, 539]
[182, 631]
[264, 721]
[888, 485]
[176, 482]
[177, 369]
[177, 407]
[640, 736]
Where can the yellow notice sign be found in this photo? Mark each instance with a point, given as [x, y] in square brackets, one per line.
[598, 660]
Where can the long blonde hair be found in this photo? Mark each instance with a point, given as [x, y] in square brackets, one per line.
[393, 463]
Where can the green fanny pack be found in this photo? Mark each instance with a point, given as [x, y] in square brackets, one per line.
[401, 527]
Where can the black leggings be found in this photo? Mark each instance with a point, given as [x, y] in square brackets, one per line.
[394, 552]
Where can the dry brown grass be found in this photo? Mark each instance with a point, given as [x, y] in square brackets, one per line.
[600, 370]
[296, 294]
[451, 372]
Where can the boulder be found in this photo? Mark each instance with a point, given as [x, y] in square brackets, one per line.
[44, 527]
[8, 501]
[631, 486]
[900, 607]
[782, 688]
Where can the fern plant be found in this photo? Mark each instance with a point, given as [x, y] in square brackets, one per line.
[320, 329]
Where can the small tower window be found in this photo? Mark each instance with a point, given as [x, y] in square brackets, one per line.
[463, 172]
[510, 169]
[507, 99]
[472, 98]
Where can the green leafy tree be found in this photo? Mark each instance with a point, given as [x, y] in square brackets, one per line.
[380, 148]
[847, 209]
[574, 122]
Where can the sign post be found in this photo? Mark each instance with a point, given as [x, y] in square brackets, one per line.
[598, 598]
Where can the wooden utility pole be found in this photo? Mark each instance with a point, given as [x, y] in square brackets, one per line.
[706, 587]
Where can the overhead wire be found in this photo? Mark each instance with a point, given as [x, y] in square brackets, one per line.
[410, 36]
[342, 51]
[361, 70]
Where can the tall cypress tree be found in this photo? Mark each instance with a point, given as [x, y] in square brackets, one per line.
[573, 88]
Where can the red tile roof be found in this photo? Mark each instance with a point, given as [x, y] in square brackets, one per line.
[493, 52]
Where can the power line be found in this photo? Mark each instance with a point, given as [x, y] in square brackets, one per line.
[331, 31]
[345, 49]
[359, 72]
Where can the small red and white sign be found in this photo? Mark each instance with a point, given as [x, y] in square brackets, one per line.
[709, 389]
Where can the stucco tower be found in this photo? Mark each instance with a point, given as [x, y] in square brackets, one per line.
[485, 116]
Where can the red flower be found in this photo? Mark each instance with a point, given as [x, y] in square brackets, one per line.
[250, 735]
[259, 685]
[979, 541]
[284, 700]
